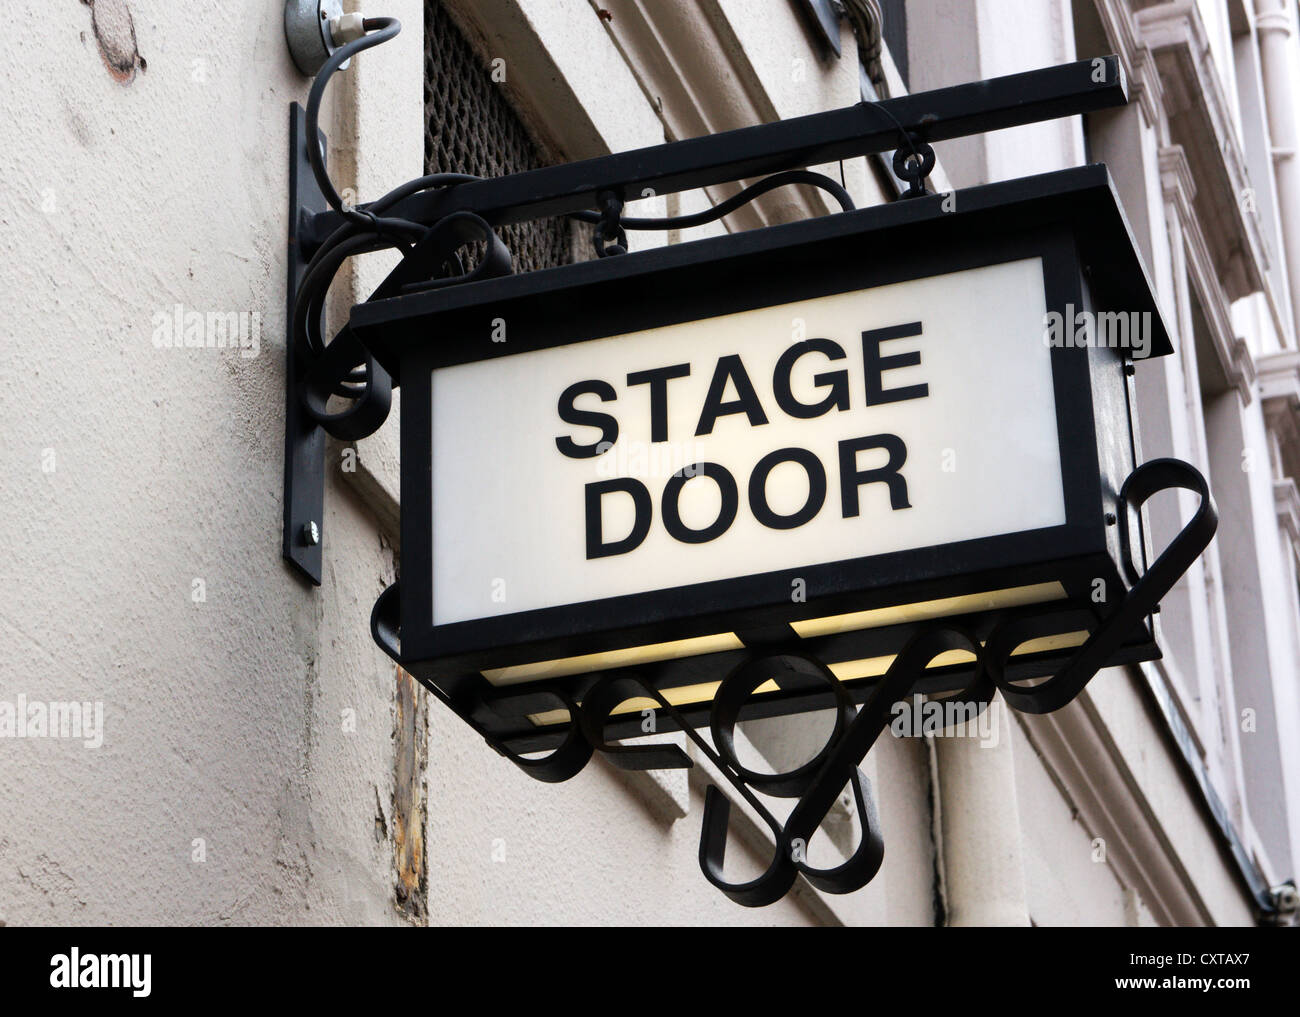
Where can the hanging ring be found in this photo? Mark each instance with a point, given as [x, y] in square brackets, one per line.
[610, 227]
[734, 693]
[913, 164]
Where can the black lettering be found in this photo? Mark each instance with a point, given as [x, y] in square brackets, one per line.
[758, 488]
[570, 414]
[658, 380]
[746, 400]
[596, 544]
[726, 513]
[876, 365]
[851, 478]
[836, 381]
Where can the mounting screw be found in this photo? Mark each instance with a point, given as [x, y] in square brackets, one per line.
[1129, 368]
[307, 31]
[311, 533]
[1110, 519]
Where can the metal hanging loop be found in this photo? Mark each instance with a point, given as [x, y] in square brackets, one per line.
[610, 237]
[1149, 588]
[787, 861]
[560, 764]
[851, 748]
[734, 693]
[371, 390]
[913, 164]
[441, 246]
[385, 623]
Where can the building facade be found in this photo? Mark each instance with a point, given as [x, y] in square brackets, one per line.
[247, 755]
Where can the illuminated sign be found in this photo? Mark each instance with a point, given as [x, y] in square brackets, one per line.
[823, 433]
[751, 444]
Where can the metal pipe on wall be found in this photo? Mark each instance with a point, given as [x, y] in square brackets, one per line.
[1275, 26]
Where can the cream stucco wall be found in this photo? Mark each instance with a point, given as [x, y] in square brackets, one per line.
[222, 717]
[145, 168]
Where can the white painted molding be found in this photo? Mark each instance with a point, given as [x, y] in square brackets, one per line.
[1232, 353]
[1079, 752]
[1279, 393]
[1135, 58]
[1199, 120]
[702, 76]
[1286, 499]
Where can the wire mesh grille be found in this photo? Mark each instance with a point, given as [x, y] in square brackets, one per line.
[472, 128]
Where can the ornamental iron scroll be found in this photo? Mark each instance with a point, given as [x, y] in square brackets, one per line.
[816, 785]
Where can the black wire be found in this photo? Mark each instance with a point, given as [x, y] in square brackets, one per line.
[346, 241]
[351, 239]
[366, 230]
[903, 131]
[731, 204]
[379, 31]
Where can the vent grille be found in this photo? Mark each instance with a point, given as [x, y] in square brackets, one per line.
[472, 128]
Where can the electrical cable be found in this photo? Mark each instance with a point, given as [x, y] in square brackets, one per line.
[366, 229]
[353, 239]
[379, 31]
[349, 239]
[751, 192]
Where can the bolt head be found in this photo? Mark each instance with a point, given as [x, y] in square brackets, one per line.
[311, 533]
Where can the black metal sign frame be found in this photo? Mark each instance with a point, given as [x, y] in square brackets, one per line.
[574, 188]
[1030, 218]
[416, 322]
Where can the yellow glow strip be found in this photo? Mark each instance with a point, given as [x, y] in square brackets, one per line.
[810, 628]
[874, 667]
[1015, 596]
[628, 657]
[682, 695]
[849, 670]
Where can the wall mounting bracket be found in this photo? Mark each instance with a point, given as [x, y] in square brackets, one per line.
[343, 369]
[304, 438]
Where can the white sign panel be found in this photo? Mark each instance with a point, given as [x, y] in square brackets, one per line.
[898, 417]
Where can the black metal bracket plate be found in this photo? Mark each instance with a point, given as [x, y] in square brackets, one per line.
[749, 152]
[304, 438]
[822, 14]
